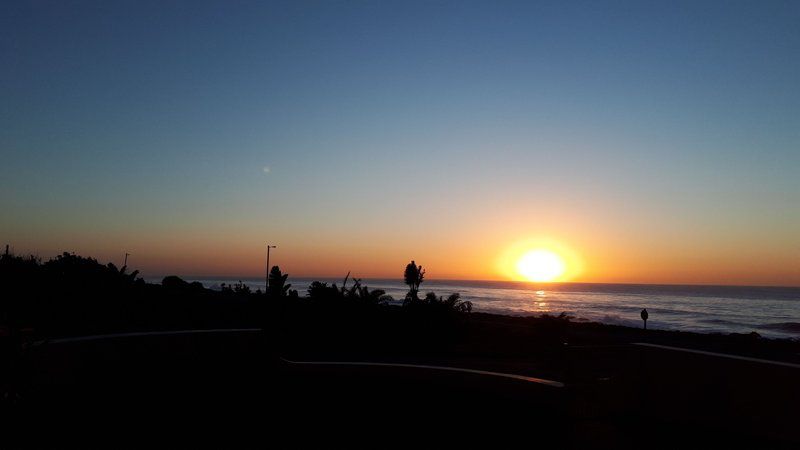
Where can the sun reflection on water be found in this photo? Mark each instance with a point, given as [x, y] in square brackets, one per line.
[539, 302]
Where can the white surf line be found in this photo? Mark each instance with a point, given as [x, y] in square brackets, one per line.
[551, 383]
[97, 337]
[720, 355]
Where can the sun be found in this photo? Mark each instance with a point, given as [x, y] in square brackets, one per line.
[541, 266]
[539, 259]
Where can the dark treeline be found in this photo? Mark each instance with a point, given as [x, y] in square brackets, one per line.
[73, 295]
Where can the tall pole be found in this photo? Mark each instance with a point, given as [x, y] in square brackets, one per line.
[125, 264]
[268, 247]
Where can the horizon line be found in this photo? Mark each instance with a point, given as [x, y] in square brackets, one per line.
[626, 283]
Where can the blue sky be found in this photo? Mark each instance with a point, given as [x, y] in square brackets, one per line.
[131, 122]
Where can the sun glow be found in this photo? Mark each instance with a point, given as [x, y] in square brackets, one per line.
[541, 266]
[539, 260]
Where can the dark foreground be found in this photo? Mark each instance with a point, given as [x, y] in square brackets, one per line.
[295, 383]
[234, 389]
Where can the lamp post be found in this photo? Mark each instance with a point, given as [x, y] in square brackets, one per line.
[268, 247]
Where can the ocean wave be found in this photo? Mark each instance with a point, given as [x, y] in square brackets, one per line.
[718, 321]
[789, 327]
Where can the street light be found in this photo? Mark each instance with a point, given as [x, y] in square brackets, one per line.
[268, 247]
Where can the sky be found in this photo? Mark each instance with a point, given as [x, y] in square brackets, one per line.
[652, 142]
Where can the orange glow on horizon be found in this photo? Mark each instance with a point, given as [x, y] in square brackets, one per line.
[605, 256]
[539, 260]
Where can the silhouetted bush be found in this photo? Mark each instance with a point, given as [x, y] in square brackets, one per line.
[318, 290]
[173, 282]
[236, 288]
[73, 295]
[439, 305]
[357, 294]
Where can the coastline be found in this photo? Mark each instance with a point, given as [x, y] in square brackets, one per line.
[772, 312]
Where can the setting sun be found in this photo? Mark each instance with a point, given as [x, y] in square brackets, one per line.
[540, 259]
[541, 265]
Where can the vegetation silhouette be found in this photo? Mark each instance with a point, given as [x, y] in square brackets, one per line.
[238, 288]
[434, 304]
[357, 294]
[413, 277]
[73, 295]
[277, 284]
[70, 295]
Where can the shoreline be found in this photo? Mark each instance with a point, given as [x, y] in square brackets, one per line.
[700, 309]
[154, 279]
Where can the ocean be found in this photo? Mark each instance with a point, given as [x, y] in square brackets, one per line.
[772, 312]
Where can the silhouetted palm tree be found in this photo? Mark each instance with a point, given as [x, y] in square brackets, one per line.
[363, 295]
[357, 293]
[452, 303]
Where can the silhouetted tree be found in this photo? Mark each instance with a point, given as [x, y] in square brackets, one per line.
[413, 277]
[277, 284]
[73, 295]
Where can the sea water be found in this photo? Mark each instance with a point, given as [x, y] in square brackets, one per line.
[770, 311]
